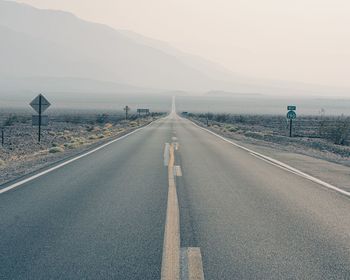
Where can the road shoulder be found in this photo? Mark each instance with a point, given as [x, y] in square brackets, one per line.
[330, 172]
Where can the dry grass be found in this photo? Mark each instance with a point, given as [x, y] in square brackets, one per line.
[272, 131]
[72, 145]
[54, 150]
[108, 125]
[93, 137]
[133, 124]
[22, 154]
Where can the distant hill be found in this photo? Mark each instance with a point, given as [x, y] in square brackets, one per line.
[207, 67]
[56, 84]
[55, 50]
[57, 44]
[229, 93]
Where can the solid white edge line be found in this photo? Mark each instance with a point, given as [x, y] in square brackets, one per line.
[17, 184]
[274, 164]
[278, 163]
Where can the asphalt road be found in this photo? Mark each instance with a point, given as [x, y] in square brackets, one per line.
[103, 216]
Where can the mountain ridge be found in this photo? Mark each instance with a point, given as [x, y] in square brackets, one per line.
[119, 58]
[58, 44]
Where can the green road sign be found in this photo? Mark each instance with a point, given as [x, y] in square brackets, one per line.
[291, 115]
[291, 108]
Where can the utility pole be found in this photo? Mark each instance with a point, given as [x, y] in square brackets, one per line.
[126, 109]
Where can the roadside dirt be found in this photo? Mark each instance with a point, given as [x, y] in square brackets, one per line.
[22, 155]
[326, 166]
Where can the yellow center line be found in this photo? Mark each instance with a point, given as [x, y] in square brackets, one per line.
[191, 267]
[171, 246]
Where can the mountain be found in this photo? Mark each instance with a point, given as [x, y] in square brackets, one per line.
[56, 84]
[55, 50]
[58, 44]
[25, 55]
[209, 68]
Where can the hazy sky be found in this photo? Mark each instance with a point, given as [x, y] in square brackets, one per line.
[297, 40]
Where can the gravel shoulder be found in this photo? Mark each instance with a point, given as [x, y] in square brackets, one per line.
[21, 155]
[324, 165]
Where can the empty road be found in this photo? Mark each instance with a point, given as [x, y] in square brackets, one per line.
[103, 216]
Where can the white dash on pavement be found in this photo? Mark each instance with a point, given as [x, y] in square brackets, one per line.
[177, 171]
[166, 154]
[191, 264]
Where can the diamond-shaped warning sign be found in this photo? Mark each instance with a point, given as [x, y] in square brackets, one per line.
[40, 101]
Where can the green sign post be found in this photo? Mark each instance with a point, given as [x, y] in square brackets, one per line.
[126, 109]
[291, 115]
